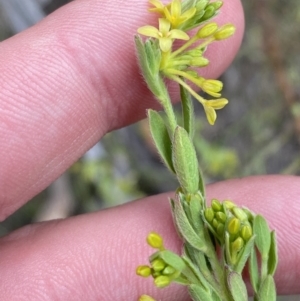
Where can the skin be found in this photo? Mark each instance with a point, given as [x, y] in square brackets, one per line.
[65, 83]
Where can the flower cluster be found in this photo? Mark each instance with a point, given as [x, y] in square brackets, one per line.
[181, 65]
[231, 226]
[162, 272]
[165, 266]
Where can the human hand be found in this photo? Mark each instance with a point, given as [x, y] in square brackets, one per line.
[64, 83]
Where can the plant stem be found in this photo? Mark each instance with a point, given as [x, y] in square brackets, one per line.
[168, 108]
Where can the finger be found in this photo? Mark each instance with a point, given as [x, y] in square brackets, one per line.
[94, 256]
[70, 79]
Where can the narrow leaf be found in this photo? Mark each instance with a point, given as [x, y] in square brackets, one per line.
[253, 270]
[187, 112]
[243, 257]
[196, 205]
[185, 161]
[187, 230]
[173, 260]
[144, 64]
[267, 291]
[237, 287]
[193, 273]
[146, 54]
[198, 293]
[153, 54]
[263, 236]
[201, 261]
[161, 138]
[273, 255]
[201, 183]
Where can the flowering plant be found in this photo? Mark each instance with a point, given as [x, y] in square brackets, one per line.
[220, 239]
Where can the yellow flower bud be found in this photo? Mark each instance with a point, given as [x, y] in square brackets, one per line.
[143, 270]
[216, 104]
[224, 32]
[246, 232]
[146, 298]
[237, 245]
[155, 241]
[215, 223]
[158, 265]
[233, 226]
[239, 213]
[169, 270]
[217, 4]
[162, 281]
[209, 214]
[221, 216]
[228, 204]
[199, 62]
[212, 87]
[207, 30]
[216, 205]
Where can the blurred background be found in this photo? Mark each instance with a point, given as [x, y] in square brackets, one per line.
[257, 133]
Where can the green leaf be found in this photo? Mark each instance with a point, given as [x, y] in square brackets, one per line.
[198, 293]
[244, 255]
[153, 54]
[161, 138]
[267, 291]
[187, 112]
[173, 260]
[253, 270]
[196, 19]
[196, 205]
[181, 280]
[237, 287]
[193, 273]
[144, 64]
[273, 255]
[201, 262]
[263, 236]
[227, 249]
[201, 184]
[187, 231]
[148, 58]
[215, 296]
[185, 161]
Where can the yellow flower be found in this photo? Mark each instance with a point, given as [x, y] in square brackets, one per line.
[163, 34]
[210, 86]
[224, 32]
[211, 115]
[172, 12]
[159, 6]
[175, 16]
[211, 105]
[207, 30]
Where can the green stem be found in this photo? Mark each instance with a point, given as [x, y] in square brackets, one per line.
[184, 46]
[264, 268]
[188, 88]
[186, 75]
[189, 43]
[168, 108]
[220, 283]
